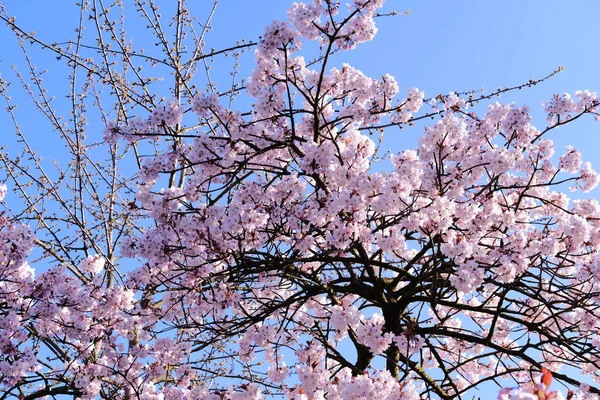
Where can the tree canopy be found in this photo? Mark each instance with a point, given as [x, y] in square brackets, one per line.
[201, 250]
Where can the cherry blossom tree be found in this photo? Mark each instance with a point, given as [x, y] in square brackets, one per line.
[201, 250]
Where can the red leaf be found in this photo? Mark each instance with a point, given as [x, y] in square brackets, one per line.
[546, 377]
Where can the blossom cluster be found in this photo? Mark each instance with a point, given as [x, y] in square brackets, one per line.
[167, 115]
[563, 107]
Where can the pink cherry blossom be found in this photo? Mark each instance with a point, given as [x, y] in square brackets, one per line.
[272, 247]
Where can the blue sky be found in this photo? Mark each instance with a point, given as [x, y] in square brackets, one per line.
[441, 46]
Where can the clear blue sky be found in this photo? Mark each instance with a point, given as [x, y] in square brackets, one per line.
[441, 46]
